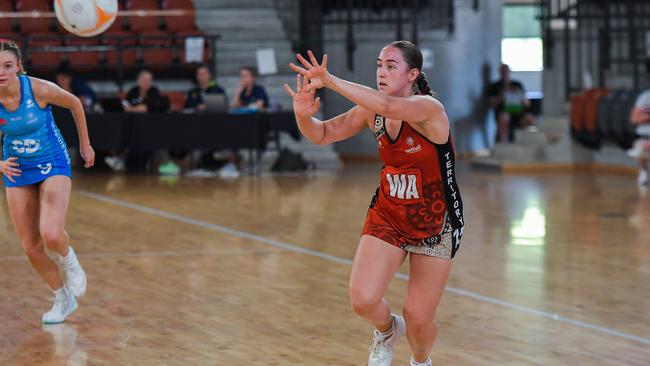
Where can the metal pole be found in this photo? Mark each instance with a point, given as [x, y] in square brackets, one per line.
[349, 40]
[414, 22]
[567, 58]
[632, 45]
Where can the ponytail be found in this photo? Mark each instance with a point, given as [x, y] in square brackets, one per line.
[423, 84]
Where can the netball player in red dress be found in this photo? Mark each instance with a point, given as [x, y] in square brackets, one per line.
[417, 207]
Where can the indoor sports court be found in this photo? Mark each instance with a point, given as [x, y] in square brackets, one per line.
[228, 231]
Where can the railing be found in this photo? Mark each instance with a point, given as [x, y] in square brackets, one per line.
[116, 47]
[305, 20]
[604, 38]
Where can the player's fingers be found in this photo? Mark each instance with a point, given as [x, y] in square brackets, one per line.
[312, 58]
[297, 68]
[287, 88]
[304, 61]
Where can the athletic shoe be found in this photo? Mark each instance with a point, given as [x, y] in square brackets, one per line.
[63, 306]
[75, 277]
[115, 163]
[229, 171]
[381, 351]
[169, 168]
[425, 363]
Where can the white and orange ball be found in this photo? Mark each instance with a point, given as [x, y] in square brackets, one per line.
[86, 18]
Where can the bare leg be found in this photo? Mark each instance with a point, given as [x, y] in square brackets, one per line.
[427, 280]
[24, 210]
[503, 122]
[54, 199]
[375, 264]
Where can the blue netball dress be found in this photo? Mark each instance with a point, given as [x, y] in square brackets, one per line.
[30, 134]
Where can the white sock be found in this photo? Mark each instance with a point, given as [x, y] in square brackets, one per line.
[425, 363]
[70, 259]
[61, 293]
[387, 334]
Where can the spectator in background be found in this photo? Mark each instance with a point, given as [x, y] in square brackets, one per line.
[142, 98]
[194, 103]
[145, 97]
[640, 117]
[249, 95]
[508, 98]
[78, 87]
[204, 85]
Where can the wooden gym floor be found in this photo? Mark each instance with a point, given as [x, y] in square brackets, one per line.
[554, 269]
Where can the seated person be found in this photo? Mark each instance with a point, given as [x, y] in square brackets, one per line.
[145, 97]
[249, 95]
[204, 85]
[142, 98]
[77, 86]
[194, 103]
[640, 116]
[508, 98]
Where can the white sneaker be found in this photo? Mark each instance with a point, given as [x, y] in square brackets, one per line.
[115, 163]
[75, 277]
[381, 351]
[642, 180]
[426, 363]
[201, 173]
[229, 171]
[63, 306]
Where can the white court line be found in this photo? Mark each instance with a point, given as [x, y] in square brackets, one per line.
[333, 258]
[154, 254]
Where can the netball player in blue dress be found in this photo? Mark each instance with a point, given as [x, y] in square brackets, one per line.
[36, 170]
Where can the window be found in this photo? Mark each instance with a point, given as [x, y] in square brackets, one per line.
[521, 46]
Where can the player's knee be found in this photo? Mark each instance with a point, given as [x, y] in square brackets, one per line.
[362, 300]
[53, 237]
[418, 319]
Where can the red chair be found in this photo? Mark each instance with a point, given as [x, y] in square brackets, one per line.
[117, 26]
[145, 23]
[183, 22]
[178, 4]
[34, 25]
[591, 108]
[83, 60]
[142, 4]
[176, 100]
[44, 60]
[129, 55]
[156, 50]
[21, 4]
[6, 25]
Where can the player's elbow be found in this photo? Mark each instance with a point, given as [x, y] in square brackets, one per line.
[386, 106]
[75, 104]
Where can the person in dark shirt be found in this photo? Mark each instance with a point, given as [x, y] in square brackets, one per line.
[142, 98]
[78, 87]
[204, 85]
[145, 97]
[508, 98]
[249, 95]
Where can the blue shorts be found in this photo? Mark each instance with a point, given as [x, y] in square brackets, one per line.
[36, 173]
